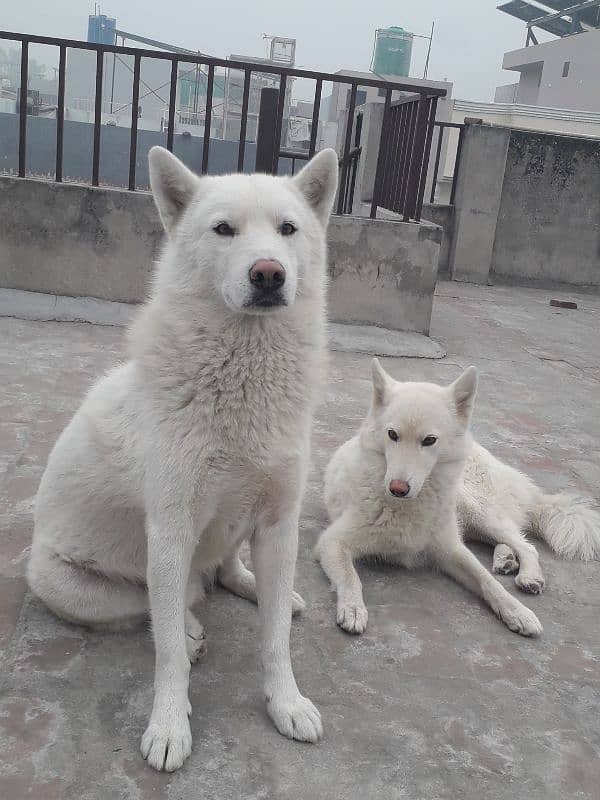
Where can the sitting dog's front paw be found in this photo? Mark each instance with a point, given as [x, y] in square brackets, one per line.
[352, 619]
[167, 741]
[296, 718]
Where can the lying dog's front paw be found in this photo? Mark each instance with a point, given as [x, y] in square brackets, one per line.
[167, 741]
[296, 718]
[352, 619]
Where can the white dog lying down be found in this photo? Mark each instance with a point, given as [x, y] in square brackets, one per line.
[412, 478]
[201, 438]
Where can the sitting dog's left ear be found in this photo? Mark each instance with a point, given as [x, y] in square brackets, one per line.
[463, 392]
[318, 181]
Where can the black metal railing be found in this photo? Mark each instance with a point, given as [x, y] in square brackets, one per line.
[268, 160]
[442, 127]
[403, 159]
[348, 171]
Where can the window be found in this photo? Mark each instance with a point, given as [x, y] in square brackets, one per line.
[566, 67]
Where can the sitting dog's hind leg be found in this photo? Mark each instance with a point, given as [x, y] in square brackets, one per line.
[238, 579]
[84, 596]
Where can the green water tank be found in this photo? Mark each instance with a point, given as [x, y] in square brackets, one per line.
[393, 51]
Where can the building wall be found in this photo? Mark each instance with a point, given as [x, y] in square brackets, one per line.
[95, 242]
[527, 208]
[114, 154]
[580, 89]
[548, 225]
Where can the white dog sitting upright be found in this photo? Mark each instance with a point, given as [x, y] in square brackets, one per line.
[201, 439]
[413, 481]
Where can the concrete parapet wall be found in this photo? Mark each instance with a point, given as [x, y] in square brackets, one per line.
[94, 242]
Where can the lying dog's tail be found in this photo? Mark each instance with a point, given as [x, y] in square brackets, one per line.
[569, 524]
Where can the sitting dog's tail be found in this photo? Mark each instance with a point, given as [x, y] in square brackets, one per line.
[569, 524]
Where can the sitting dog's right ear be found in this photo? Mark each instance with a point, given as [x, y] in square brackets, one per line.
[173, 185]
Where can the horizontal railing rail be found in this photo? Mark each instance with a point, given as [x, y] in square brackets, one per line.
[269, 159]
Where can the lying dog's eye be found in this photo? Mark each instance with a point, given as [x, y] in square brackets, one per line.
[287, 229]
[428, 441]
[393, 435]
[223, 229]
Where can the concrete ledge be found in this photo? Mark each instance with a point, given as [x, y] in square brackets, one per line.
[383, 272]
[346, 338]
[58, 308]
[80, 241]
[382, 342]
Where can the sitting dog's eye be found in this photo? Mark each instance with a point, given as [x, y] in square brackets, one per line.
[428, 441]
[393, 435]
[223, 229]
[287, 229]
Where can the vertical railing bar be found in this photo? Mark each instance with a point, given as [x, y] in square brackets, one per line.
[172, 102]
[23, 107]
[438, 153]
[315, 118]
[347, 142]
[135, 102]
[383, 137]
[416, 161]
[244, 120]
[60, 113]
[456, 165]
[412, 128]
[432, 103]
[97, 117]
[279, 120]
[207, 118]
[408, 109]
[395, 167]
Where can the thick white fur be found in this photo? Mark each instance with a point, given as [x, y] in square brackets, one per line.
[457, 489]
[199, 440]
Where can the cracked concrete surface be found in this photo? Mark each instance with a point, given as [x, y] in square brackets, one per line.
[437, 701]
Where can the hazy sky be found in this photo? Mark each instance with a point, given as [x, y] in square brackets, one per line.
[470, 39]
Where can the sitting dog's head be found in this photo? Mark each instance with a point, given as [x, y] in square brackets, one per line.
[252, 242]
[418, 426]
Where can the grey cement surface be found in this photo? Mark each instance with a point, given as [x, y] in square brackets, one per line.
[549, 217]
[477, 201]
[382, 272]
[442, 214]
[437, 701]
[102, 243]
[369, 339]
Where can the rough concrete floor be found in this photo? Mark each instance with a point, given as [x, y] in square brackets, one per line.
[436, 701]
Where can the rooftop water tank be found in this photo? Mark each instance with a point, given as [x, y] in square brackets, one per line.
[101, 29]
[393, 51]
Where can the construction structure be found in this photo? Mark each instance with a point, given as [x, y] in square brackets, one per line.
[560, 73]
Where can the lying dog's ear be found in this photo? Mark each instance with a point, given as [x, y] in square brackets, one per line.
[463, 392]
[318, 181]
[173, 185]
[381, 383]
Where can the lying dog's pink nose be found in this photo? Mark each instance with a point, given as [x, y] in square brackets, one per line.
[399, 488]
[267, 274]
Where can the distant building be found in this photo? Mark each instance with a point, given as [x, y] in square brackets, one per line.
[564, 72]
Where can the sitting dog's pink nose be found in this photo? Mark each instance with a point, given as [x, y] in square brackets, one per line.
[267, 274]
[399, 488]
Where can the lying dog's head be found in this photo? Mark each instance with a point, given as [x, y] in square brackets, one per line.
[418, 426]
[252, 242]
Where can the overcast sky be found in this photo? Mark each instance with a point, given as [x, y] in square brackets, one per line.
[470, 39]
